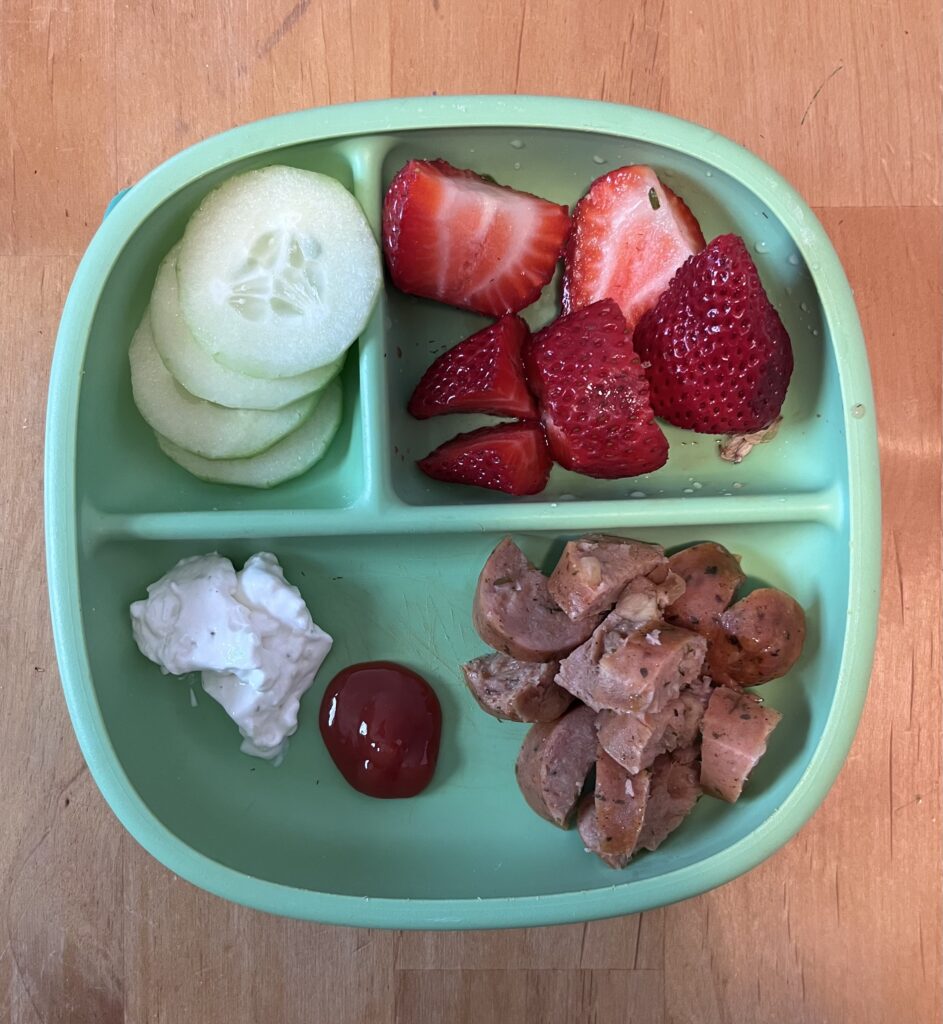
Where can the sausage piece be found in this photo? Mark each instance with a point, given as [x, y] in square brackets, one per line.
[588, 828]
[760, 638]
[711, 576]
[674, 789]
[554, 761]
[514, 613]
[645, 598]
[620, 806]
[635, 739]
[594, 570]
[614, 842]
[516, 691]
[734, 732]
[626, 667]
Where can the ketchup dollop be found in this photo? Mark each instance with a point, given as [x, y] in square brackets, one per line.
[381, 724]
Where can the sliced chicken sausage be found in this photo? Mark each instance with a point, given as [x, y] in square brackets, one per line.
[674, 790]
[760, 638]
[514, 613]
[553, 764]
[588, 825]
[624, 667]
[645, 598]
[594, 570]
[517, 691]
[711, 576]
[734, 732]
[635, 739]
[620, 806]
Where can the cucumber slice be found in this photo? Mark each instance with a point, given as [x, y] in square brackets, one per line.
[201, 374]
[212, 431]
[290, 457]
[278, 272]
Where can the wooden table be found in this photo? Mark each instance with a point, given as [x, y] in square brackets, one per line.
[842, 97]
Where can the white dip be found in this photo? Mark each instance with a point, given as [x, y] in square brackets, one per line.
[249, 633]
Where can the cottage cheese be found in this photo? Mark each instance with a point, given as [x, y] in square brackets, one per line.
[249, 633]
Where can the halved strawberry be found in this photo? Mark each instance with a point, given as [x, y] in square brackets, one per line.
[630, 234]
[451, 235]
[718, 356]
[483, 373]
[593, 395]
[510, 457]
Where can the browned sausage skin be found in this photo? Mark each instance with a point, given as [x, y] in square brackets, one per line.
[711, 577]
[759, 638]
[553, 764]
[734, 732]
[588, 826]
[595, 569]
[621, 799]
[516, 691]
[627, 667]
[514, 613]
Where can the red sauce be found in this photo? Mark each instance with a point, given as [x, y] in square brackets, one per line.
[381, 724]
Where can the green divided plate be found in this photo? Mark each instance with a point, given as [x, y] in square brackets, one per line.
[387, 559]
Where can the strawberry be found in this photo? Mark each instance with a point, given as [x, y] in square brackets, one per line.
[451, 235]
[630, 234]
[593, 394]
[483, 373]
[510, 457]
[718, 357]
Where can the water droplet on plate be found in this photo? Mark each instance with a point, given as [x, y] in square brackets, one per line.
[697, 486]
[794, 259]
[737, 486]
[516, 165]
[708, 174]
[637, 494]
[857, 411]
[597, 159]
[688, 490]
[804, 306]
[761, 247]
[517, 144]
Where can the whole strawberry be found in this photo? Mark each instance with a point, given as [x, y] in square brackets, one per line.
[593, 395]
[717, 356]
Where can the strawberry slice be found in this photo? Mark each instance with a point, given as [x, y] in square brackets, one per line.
[593, 395]
[630, 234]
[483, 373]
[719, 356]
[450, 234]
[510, 457]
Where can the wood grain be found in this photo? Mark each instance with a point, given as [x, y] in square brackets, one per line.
[844, 922]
